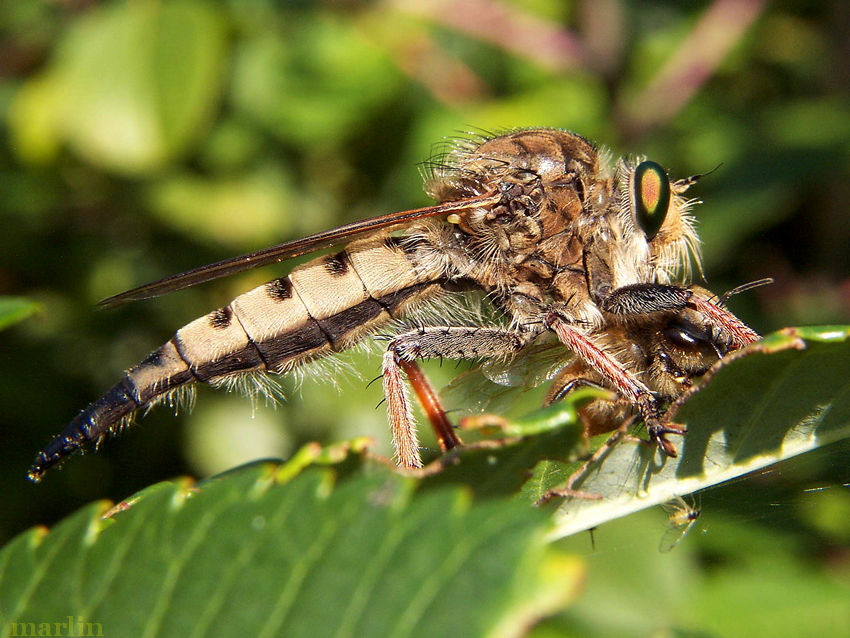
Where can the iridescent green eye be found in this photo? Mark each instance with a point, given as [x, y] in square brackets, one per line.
[650, 197]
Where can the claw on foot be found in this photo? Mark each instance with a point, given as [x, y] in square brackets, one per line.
[657, 433]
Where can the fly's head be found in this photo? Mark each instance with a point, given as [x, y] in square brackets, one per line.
[641, 231]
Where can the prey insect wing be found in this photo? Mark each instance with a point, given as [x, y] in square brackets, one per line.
[535, 365]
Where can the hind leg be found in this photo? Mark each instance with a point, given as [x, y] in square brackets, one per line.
[442, 342]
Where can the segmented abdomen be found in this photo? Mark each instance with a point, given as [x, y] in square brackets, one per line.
[324, 306]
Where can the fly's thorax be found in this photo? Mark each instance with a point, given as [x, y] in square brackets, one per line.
[526, 246]
[541, 175]
[472, 166]
[507, 232]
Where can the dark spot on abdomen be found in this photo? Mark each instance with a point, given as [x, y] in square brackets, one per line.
[280, 289]
[221, 318]
[153, 359]
[337, 265]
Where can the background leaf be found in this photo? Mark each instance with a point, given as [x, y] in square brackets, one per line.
[141, 106]
[15, 309]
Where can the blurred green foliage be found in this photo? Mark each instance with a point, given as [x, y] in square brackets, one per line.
[144, 138]
[15, 309]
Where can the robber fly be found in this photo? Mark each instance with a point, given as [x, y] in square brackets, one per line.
[564, 244]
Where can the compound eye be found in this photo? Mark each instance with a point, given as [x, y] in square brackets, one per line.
[650, 197]
[684, 337]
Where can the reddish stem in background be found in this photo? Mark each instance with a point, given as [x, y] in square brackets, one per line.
[505, 26]
[716, 32]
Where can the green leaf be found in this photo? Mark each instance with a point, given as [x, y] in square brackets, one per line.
[315, 80]
[15, 309]
[346, 549]
[788, 395]
[146, 101]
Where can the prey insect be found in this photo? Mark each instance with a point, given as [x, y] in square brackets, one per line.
[681, 517]
[563, 243]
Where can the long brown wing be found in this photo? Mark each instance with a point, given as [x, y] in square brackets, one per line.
[293, 248]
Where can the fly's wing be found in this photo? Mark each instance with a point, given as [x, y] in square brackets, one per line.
[496, 384]
[535, 364]
[287, 250]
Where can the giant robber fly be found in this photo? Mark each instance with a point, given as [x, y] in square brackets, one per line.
[563, 243]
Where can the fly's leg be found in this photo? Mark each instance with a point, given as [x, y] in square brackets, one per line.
[430, 403]
[568, 490]
[400, 414]
[647, 298]
[565, 382]
[742, 334]
[640, 299]
[446, 342]
[599, 416]
[611, 370]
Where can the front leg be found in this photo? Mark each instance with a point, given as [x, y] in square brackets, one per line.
[612, 371]
[443, 342]
[637, 299]
[644, 299]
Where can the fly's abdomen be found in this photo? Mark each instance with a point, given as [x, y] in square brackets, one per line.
[330, 303]
[322, 307]
[160, 373]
